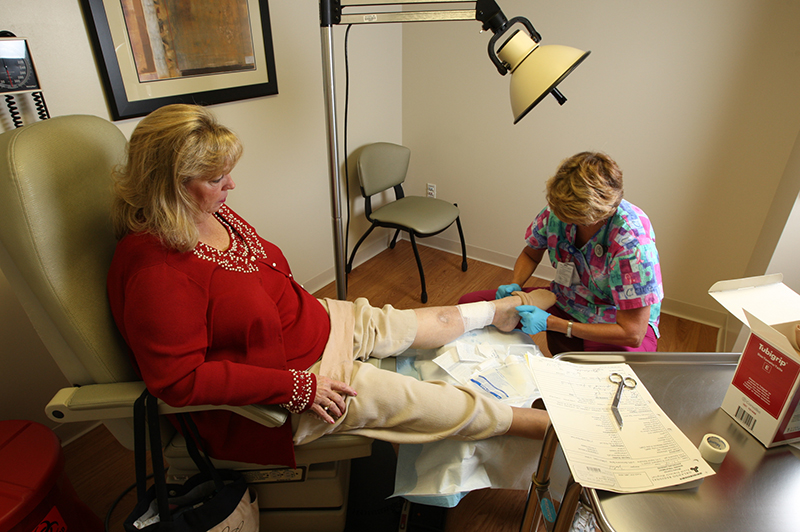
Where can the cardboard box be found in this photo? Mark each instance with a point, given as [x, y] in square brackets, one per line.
[764, 395]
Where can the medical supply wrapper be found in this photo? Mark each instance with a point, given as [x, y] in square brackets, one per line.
[764, 395]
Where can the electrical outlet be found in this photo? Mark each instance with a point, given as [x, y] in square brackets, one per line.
[431, 190]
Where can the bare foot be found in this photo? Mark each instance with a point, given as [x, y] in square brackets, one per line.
[506, 316]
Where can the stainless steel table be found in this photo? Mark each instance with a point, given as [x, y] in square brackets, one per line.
[755, 489]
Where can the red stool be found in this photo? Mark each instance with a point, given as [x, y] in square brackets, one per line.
[35, 494]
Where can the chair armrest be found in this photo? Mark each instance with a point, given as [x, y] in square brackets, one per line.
[100, 402]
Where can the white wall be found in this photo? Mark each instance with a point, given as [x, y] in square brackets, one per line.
[697, 101]
[787, 254]
[282, 180]
[786, 257]
[783, 261]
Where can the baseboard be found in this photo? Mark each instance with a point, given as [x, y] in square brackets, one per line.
[727, 329]
[368, 249]
[692, 312]
[501, 260]
[454, 246]
[69, 432]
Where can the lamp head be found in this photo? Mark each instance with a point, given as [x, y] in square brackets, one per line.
[536, 70]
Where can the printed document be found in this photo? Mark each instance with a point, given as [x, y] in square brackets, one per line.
[648, 453]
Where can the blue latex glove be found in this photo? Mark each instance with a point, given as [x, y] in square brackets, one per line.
[533, 319]
[506, 289]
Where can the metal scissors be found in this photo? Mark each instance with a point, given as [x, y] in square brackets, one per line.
[622, 383]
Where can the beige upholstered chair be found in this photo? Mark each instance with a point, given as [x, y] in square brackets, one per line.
[56, 244]
[382, 166]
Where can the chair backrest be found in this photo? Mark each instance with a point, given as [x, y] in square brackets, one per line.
[56, 239]
[381, 166]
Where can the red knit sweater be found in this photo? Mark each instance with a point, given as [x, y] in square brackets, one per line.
[209, 327]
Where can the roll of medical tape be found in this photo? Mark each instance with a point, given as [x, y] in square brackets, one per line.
[713, 448]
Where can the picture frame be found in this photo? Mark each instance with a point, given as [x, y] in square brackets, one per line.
[152, 53]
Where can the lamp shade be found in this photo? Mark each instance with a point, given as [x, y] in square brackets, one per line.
[535, 70]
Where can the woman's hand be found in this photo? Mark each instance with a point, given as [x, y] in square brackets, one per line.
[329, 402]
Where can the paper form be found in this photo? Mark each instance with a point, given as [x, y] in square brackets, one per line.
[648, 453]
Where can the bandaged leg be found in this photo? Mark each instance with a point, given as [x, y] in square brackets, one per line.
[476, 315]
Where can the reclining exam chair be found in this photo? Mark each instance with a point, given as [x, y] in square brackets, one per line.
[56, 244]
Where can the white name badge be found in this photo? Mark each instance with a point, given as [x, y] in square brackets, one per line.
[565, 273]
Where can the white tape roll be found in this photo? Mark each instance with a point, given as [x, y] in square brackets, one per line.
[713, 448]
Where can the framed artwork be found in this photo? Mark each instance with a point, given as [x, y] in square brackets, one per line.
[156, 52]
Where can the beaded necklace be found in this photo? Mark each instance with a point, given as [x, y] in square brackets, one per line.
[245, 249]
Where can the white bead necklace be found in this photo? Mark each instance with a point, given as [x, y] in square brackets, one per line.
[245, 249]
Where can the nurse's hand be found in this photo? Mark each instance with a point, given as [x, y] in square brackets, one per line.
[533, 319]
[506, 289]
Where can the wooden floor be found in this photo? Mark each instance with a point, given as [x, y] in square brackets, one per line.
[101, 469]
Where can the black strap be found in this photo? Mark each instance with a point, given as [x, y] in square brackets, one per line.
[199, 456]
[145, 419]
[159, 473]
[140, 446]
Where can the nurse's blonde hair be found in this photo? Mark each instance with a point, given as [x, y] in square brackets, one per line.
[170, 147]
[586, 188]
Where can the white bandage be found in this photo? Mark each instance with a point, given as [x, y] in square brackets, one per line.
[476, 315]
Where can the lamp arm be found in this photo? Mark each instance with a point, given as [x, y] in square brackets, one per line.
[488, 12]
[502, 67]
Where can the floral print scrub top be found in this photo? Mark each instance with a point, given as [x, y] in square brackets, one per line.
[617, 268]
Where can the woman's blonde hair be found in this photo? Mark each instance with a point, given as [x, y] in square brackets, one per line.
[586, 189]
[170, 147]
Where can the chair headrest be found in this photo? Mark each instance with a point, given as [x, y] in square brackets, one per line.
[56, 239]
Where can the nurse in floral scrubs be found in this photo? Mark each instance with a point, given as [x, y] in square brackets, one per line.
[608, 279]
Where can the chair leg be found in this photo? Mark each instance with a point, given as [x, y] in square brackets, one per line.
[463, 245]
[349, 265]
[419, 265]
[394, 239]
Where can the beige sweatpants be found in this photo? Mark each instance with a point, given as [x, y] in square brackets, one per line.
[389, 406]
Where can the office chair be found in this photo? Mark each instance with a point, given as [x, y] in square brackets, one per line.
[382, 166]
[56, 244]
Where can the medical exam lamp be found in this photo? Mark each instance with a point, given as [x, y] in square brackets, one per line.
[535, 73]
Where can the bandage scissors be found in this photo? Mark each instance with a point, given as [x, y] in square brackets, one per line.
[622, 383]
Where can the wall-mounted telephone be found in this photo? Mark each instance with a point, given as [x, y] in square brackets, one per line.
[18, 76]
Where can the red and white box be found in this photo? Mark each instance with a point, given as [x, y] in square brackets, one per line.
[764, 395]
